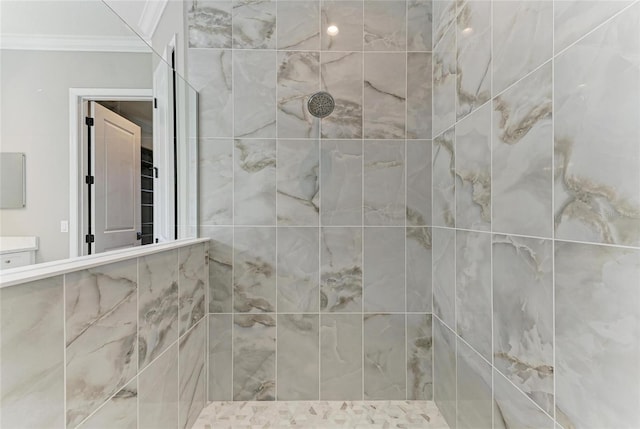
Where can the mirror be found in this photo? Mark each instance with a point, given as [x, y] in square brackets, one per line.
[108, 129]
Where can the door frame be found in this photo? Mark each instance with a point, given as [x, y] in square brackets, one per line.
[76, 152]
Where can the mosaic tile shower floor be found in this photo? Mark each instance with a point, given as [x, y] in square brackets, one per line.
[321, 415]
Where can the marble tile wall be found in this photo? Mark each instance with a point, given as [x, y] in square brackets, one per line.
[536, 213]
[102, 348]
[320, 258]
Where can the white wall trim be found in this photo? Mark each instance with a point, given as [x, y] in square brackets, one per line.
[150, 17]
[76, 97]
[39, 42]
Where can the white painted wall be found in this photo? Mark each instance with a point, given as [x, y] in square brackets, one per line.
[34, 119]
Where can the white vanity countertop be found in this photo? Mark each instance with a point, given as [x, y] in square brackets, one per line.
[18, 244]
[17, 276]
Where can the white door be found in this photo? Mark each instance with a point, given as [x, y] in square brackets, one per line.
[116, 214]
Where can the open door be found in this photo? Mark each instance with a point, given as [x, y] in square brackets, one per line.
[115, 209]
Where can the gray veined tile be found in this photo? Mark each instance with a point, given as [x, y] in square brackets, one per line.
[444, 371]
[341, 182]
[192, 383]
[474, 384]
[385, 26]
[418, 268]
[384, 356]
[298, 183]
[255, 182]
[420, 357]
[341, 357]
[384, 183]
[254, 24]
[220, 267]
[473, 170]
[298, 25]
[341, 76]
[32, 388]
[523, 315]
[347, 16]
[298, 270]
[444, 183]
[444, 82]
[158, 392]
[341, 269]
[419, 95]
[419, 25]
[119, 411]
[419, 165]
[298, 357]
[473, 290]
[215, 189]
[522, 39]
[254, 357]
[193, 282]
[254, 281]
[209, 23]
[473, 56]
[597, 335]
[522, 157]
[444, 15]
[220, 357]
[101, 331]
[384, 95]
[514, 410]
[157, 304]
[384, 269]
[298, 78]
[597, 156]
[444, 274]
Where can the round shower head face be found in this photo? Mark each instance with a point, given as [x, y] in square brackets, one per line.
[321, 104]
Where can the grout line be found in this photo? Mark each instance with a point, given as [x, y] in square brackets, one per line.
[491, 364]
[138, 338]
[362, 214]
[553, 211]
[406, 181]
[275, 229]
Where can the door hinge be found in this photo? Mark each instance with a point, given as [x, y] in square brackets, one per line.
[155, 172]
[155, 103]
[89, 238]
[89, 180]
[138, 236]
[88, 121]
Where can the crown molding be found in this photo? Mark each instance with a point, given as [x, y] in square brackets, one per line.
[38, 42]
[150, 17]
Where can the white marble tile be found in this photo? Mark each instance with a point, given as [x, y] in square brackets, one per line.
[157, 304]
[475, 400]
[215, 170]
[444, 274]
[473, 56]
[209, 23]
[597, 156]
[522, 39]
[220, 267]
[298, 357]
[298, 79]
[210, 75]
[384, 269]
[522, 157]
[523, 315]
[444, 16]
[341, 182]
[341, 269]
[341, 76]
[514, 410]
[32, 354]
[444, 371]
[419, 357]
[254, 24]
[347, 16]
[340, 357]
[120, 411]
[254, 276]
[597, 336]
[473, 290]
[192, 383]
[419, 182]
[385, 26]
[384, 183]
[298, 25]
[473, 170]
[384, 356]
[101, 331]
[419, 94]
[158, 392]
[419, 25]
[254, 93]
[298, 182]
[384, 95]
[254, 357]
[255, 182]
[193, 282]
[418, 269]
[298, 270]
[444, 82]
[220, 357]
[444, 183]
